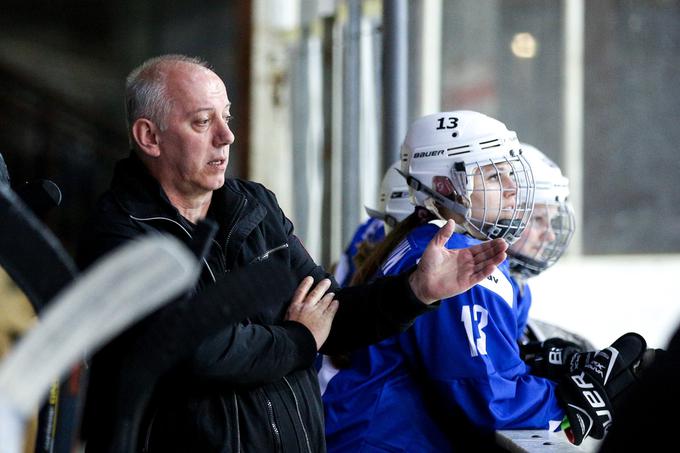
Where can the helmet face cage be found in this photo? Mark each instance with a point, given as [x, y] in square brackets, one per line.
[552, 224]
[472, 166]
[545, 240]
[502, 197]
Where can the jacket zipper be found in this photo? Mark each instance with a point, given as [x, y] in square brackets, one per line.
[297, 409]
[272, 423]
[237, 217]
[238, 428]
[147, 437]
[183, 229]
[222, 256]
[269, 252]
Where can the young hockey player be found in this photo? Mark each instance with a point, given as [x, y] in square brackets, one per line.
[543, 242]
[456, 375]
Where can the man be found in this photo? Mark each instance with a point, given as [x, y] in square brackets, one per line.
[252, 387]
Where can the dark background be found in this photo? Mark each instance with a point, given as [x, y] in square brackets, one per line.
[62, 73]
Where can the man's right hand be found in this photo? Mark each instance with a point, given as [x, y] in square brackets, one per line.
[314, 308]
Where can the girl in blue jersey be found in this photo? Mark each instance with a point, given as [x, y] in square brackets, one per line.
[461, 363]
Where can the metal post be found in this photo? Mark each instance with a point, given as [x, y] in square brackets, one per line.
[572, 93]
[395, 78]
[425, 56]
[351, 93]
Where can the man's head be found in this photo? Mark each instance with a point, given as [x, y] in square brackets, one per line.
[178, 114]
[146, 93]
[468, 166]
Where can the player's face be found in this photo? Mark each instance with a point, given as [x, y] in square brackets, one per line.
[195, 144]
[494, 193]
[539, 232]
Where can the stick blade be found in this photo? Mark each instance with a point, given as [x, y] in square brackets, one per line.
[37, 263]
[118, 290]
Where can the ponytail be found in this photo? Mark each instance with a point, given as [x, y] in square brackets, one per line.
[370, 264]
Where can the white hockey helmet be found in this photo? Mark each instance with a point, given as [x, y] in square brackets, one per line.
[394, 203]
[552, 223]
[472, 165]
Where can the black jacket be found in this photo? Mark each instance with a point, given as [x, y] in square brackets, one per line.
[252, 387]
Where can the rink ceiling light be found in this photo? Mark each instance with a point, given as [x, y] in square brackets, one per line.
[524, 45]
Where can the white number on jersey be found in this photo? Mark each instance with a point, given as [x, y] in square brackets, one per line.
[480, 316]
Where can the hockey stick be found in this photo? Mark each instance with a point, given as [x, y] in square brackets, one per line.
[37, 263]
[41, 195]
[122, 287]
[4, 174]
[30, 254]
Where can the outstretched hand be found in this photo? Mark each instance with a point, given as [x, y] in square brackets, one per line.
[443, 273]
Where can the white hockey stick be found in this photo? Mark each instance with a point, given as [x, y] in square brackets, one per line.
[118, 290]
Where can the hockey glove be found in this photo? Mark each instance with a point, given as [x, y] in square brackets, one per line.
[589, 391]
[552, 358]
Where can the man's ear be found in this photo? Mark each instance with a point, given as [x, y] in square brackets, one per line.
[145, 134]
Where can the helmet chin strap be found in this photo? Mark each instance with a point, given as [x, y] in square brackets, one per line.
[504, 226]
[457, 208]
[459, 213]
[525, 266]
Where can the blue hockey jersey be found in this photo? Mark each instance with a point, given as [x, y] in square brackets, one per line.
[523, 306]
[463, 355]
[371, 231]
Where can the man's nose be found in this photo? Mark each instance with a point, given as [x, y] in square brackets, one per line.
[223, 135]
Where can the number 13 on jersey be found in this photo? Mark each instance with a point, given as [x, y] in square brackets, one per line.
[471, 316]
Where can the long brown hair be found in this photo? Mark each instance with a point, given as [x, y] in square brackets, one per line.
[369, 266]
[369, 258]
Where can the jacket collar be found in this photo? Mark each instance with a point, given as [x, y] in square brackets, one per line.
[138, 193]
[141, 195]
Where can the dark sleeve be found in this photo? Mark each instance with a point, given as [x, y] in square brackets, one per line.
[368, 313]
[254, 354]
[257, 353]
[372, 312]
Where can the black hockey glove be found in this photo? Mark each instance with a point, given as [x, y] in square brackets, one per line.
[589, 391]
[553, 357]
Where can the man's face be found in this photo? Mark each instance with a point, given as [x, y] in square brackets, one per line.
[494, 193]
[194, 147]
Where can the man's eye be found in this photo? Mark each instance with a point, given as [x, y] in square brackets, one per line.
[203, 121]
[227, 119]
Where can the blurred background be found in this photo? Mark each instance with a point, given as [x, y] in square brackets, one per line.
[322, 92]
